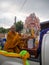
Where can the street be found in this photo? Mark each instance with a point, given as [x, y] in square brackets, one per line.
[14, 61]
[34, 63]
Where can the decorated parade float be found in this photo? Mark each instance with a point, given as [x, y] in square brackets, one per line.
[32, 33]
[29, 40]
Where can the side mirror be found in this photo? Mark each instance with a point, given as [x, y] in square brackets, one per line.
[45, 50]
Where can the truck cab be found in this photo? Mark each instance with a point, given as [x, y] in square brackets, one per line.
[45, 49]
[44, 55]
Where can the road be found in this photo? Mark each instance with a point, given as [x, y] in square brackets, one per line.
[14, 61]
[34, 63]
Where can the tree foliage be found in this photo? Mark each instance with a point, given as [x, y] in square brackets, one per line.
[19, 26]
[3, 30]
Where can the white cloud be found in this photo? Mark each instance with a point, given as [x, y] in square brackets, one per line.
[11, 8]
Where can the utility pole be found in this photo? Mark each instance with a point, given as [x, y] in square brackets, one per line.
[15, 21]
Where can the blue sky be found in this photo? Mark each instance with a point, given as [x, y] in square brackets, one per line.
[21, 9]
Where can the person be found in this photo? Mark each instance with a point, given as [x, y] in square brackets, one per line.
[3, 42]
[12, 41]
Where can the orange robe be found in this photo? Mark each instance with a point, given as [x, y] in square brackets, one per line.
[13, 40]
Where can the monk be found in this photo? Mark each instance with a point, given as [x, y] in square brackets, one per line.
[13, 39]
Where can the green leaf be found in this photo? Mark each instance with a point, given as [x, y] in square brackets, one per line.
[23, 52]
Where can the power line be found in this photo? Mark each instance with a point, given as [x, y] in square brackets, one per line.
[23, 4]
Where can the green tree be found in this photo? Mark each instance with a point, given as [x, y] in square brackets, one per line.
[3, 30]
[19, 26]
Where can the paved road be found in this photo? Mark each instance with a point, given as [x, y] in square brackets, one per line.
[34, 63]
[14, 61]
